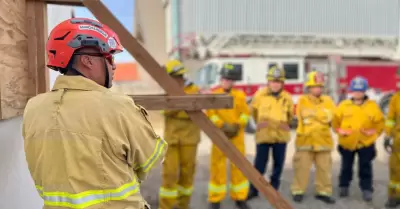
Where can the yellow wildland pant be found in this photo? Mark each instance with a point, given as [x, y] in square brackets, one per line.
[177, 176]
[302, 162]
[239, 185]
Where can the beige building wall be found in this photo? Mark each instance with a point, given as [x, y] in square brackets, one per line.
[150, 28]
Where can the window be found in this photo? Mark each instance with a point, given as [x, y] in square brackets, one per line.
[291, 71]
[200, 78]
[212, 73]
[207, 75]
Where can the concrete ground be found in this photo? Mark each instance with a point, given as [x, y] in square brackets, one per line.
[151, 186]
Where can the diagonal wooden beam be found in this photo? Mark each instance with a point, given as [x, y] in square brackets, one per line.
[188, 102]
[141, 55]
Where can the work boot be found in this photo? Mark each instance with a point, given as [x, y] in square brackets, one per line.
[367, 195]
[344, 192]
[215, 205]
[325, 198]
[242, 205]
[392, 203]
[298, 198]
[252, 195]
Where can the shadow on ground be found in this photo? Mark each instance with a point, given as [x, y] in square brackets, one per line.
[199, 199]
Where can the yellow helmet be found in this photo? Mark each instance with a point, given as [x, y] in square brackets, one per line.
[315, 78]
[276, 73]
[175, 68]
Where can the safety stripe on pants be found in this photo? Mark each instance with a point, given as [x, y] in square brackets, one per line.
[217, 188]
[185, 191]
[239, 187]
[297, 192]
[88, 198]
[168, 193]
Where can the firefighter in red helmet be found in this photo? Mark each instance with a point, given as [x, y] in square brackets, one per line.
[88, 147]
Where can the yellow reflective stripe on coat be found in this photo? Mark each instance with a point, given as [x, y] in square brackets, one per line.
[390, 123]
[170, 193]
[217, 189]
[239, 187]
[185, 191]
[154, 157]
[88, 198]
[394, 185]
[244, 118]
[215, 118]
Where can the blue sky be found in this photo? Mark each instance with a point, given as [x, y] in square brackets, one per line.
[123, 10]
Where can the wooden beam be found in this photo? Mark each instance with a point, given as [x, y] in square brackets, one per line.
[36, 13]
[77, 3]
[42, 80]
[141, 55]
[32, 41]
[188, 102]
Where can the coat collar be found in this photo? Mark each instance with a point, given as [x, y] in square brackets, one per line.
[77, 83]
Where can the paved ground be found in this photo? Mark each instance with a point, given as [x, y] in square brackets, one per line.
[150, 188]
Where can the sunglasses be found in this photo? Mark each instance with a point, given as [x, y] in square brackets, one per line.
[108, 57]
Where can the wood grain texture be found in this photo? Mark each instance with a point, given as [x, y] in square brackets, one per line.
[42, 72]
[17, 82]
[188, 102]
[142, 56]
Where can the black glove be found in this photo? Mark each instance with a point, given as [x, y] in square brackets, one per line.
[387, 144]
[230, 130]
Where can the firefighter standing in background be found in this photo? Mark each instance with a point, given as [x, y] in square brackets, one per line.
[232, 122]
[182, 136]
[358, 122]
[88, 147]
[272, 109]
[392, 145]
[314, 142]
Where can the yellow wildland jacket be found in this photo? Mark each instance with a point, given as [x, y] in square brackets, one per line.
[87, 147]
[353, 118]
[239, 114]
[392, 124]
[179, 129]
[314, 118]
[274, 110]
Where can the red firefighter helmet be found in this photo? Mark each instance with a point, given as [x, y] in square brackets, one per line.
[77, 33]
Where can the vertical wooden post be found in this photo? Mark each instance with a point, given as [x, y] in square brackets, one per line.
[36, 12]
[41, 60]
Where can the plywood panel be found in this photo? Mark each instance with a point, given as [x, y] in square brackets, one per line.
[17, 83]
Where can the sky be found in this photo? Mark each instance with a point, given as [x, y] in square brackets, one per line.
[124, 11]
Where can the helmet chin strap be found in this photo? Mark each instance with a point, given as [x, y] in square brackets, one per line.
[107, 82]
